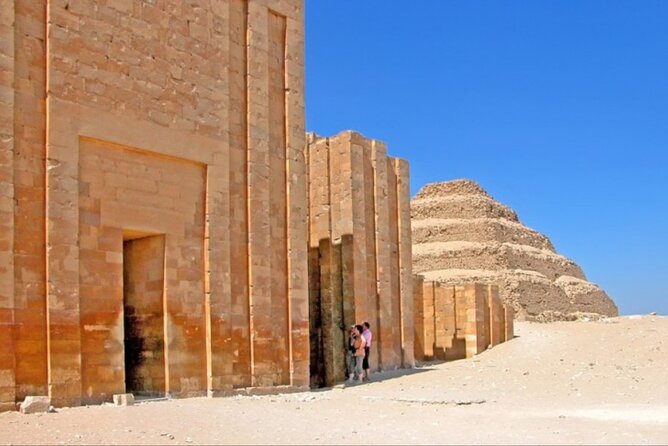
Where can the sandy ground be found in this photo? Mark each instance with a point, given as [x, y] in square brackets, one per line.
[567, 382]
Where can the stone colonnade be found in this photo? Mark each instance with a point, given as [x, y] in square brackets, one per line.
[458, 321]
[359, 253]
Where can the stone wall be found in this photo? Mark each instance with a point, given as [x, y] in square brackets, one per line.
[22, 179]
[125, 120]
[458, 321]
[7, 209]
[360, 257]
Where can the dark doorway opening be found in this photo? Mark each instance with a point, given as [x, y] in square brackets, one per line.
[330, 306]
[143, 310]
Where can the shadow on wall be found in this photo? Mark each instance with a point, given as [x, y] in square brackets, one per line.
[330, 310]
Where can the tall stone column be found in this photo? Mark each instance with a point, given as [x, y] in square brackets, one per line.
[7, 141]
[230, 342]
[297, 197]
[496, 316]
[426, 336]
[388, 322]
[29, 193]
[418, 312]
[405, 260]
[277, 196]
[509, 318]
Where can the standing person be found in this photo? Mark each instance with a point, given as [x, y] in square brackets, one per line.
[353, 334]
[367, 337]
[360, 344]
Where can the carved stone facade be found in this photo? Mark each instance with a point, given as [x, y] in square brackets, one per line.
[359, 253]
[153, 198]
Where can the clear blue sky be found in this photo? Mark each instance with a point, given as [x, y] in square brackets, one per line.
[559, 108]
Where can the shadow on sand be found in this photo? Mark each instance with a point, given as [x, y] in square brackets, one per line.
[378, 377]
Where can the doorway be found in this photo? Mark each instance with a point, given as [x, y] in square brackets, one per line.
[143, 314]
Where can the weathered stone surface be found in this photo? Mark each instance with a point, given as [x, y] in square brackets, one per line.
[171, 183]
[405, 266]
[28, 117]
[509, 320]
[35, 404]
[457, 321]
[124, 399]
[461, 234]
[425, 321]
[360, 262]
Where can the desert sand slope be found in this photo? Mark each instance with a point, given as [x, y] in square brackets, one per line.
[600, 382]
[461, 234]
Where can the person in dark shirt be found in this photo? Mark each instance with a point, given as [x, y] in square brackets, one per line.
[352, 336]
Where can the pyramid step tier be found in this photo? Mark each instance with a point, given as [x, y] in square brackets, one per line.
[462, 234]
[453, 187]
[586, 296]
[493, 257]
[477, 230]
[460, 206]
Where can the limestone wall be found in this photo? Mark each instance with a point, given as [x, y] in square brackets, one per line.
[7, 211]
[22, 125]
[458, 321]
[360, 251]
[168, 119]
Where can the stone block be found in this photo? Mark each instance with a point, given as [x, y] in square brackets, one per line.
[419, 321]
[509, 319]
[429, 321]
[444, 321]
[496, 316]
[124, 399]
[35, 404]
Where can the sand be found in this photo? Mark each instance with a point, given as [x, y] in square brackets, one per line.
[599, 382]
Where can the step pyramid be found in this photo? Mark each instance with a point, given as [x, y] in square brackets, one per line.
[461, 234]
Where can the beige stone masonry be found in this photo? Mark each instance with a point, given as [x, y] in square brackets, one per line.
[457, 321]
[509, 319]
[7, 210]
[148, 121]
[444, 319]
[497, 317]
[404, 247]
[425, 337]
[29, 121]
[358, 193]
[419, 322]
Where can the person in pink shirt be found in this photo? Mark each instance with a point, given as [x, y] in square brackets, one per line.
[367, 348]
